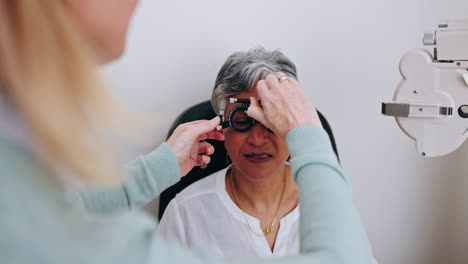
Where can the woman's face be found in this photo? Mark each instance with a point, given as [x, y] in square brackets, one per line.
[104, 24]
[256, 153]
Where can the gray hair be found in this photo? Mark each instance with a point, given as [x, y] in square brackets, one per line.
[242, 70]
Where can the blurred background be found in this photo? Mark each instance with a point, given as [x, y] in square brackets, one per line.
[415, 209]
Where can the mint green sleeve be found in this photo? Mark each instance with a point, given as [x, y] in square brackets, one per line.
[147, 177]
[330, 226]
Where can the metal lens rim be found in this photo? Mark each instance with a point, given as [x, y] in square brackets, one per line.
[242, 107]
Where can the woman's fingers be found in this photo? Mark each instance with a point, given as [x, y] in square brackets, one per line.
[202, 157]
[256, 111]
[202, 127]
[205, 148]
[272, 81]
[294, 82]
[202, 161]
[285, 105]
[216, 135]
[184, 142]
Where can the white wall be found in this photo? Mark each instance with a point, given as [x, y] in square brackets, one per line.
[347, 53]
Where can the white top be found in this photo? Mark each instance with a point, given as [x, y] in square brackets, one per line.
[203, 216]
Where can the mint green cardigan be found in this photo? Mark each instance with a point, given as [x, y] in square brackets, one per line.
[41, 223]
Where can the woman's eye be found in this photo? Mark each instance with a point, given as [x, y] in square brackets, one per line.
[241, 122]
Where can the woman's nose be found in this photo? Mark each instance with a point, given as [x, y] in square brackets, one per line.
[258, 135]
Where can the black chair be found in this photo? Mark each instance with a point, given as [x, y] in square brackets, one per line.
[218, 162]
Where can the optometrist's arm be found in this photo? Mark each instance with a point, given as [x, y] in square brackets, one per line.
[330, 226]
[148, 176]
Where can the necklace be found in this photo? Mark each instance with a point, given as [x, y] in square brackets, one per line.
[268, 229]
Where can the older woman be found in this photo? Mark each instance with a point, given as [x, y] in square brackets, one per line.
[252, 207]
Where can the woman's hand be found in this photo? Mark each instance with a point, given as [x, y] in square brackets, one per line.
[284, 105]
[189, 146]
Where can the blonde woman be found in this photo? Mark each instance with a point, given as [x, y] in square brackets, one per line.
[53, 107]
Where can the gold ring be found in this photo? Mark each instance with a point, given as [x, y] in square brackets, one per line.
[282, 77]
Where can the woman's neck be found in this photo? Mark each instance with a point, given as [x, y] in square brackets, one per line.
[261, 195]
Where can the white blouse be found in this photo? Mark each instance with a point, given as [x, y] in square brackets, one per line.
[203, 216]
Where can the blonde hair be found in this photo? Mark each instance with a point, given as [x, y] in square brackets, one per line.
[50, 75]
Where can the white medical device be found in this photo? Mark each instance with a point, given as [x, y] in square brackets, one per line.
[430, 104]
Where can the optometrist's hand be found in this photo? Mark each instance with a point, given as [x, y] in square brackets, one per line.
[189, 146]
[284, 105]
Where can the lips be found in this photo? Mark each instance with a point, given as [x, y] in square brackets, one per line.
[258, 157]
